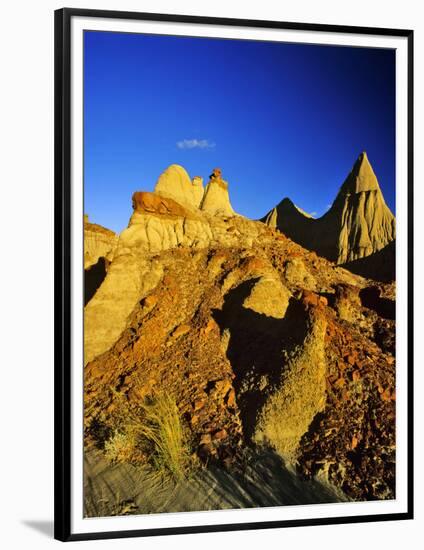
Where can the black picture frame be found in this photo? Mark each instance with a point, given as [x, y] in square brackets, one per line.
[62, 265]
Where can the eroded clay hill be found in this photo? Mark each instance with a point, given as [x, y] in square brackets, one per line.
[260, 342]
[99, 242]
[99, 248]
[358, 224]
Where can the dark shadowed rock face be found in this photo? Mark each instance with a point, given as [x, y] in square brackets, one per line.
[358, 224]
[99, 242]
[93, 278]
[99, 247]
[380, 266]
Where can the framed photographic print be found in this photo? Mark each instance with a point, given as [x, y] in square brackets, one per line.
[233, 274]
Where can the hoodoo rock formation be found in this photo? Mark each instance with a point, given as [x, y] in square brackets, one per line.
[358, 224]
[175, 183]
[262, 343]
[217, 200]
[159, 222]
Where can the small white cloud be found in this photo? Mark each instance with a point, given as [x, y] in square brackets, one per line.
[195, 144]
[329, 205]
[314, 214]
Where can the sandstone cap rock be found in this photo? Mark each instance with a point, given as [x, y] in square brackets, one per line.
[216, 200]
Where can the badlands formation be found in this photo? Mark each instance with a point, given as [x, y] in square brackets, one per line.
[99, 242]
[265, 344]
[358, 224]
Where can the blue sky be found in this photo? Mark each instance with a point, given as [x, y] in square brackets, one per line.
[279, 119]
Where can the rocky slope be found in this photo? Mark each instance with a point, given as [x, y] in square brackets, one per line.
[99, 242]
[262, 343]
[358, 224]
[99, 248]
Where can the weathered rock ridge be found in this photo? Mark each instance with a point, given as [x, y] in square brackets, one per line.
[175, 183]
[358, 224]
[99, 247]
[160, 222]
[99, 242]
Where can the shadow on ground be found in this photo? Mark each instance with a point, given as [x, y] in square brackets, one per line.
[45, 527]
[371, 298]
[263, 481]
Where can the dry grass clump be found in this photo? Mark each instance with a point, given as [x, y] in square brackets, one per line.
[122, 446]
[289, 411]
[162, 429]
[154, 433]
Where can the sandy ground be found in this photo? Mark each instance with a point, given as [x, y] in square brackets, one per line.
[126, 489]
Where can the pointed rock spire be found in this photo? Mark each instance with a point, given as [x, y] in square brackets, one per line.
[361, 177]
[358, 224]
[216, 200]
